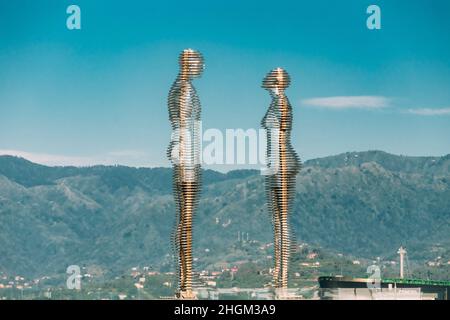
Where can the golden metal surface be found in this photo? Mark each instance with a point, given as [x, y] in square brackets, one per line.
[284, 164]
[184, 153]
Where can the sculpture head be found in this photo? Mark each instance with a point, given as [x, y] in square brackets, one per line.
[191, 63]
[276, 80]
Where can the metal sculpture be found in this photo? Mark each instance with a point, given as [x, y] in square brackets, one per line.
[284, 165]
[184, 153]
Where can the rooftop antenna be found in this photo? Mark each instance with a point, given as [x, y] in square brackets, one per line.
[401, 252]
[408, 266]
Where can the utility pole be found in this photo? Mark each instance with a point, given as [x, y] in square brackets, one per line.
[402, 253]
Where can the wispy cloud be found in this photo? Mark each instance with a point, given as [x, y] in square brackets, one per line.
[430, 112]
[125, 157]
[348, 102]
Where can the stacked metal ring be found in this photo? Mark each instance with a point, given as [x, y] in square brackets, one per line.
[184, 152]
[284, 166]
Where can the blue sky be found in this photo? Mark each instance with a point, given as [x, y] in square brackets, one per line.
[98, 95]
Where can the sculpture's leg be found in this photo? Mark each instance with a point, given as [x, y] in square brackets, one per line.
[277, 239]
[178, 231]
[181, 253]
[189, 190]
[285, 250]
[285, 241]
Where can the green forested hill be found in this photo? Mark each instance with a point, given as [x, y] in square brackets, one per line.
[365, 204]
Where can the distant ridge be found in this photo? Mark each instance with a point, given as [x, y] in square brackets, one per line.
[389, 161]
[360, 203]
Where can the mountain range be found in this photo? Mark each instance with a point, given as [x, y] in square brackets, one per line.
[364, 204]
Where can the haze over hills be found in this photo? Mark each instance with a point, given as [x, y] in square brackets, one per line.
[364, 204]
